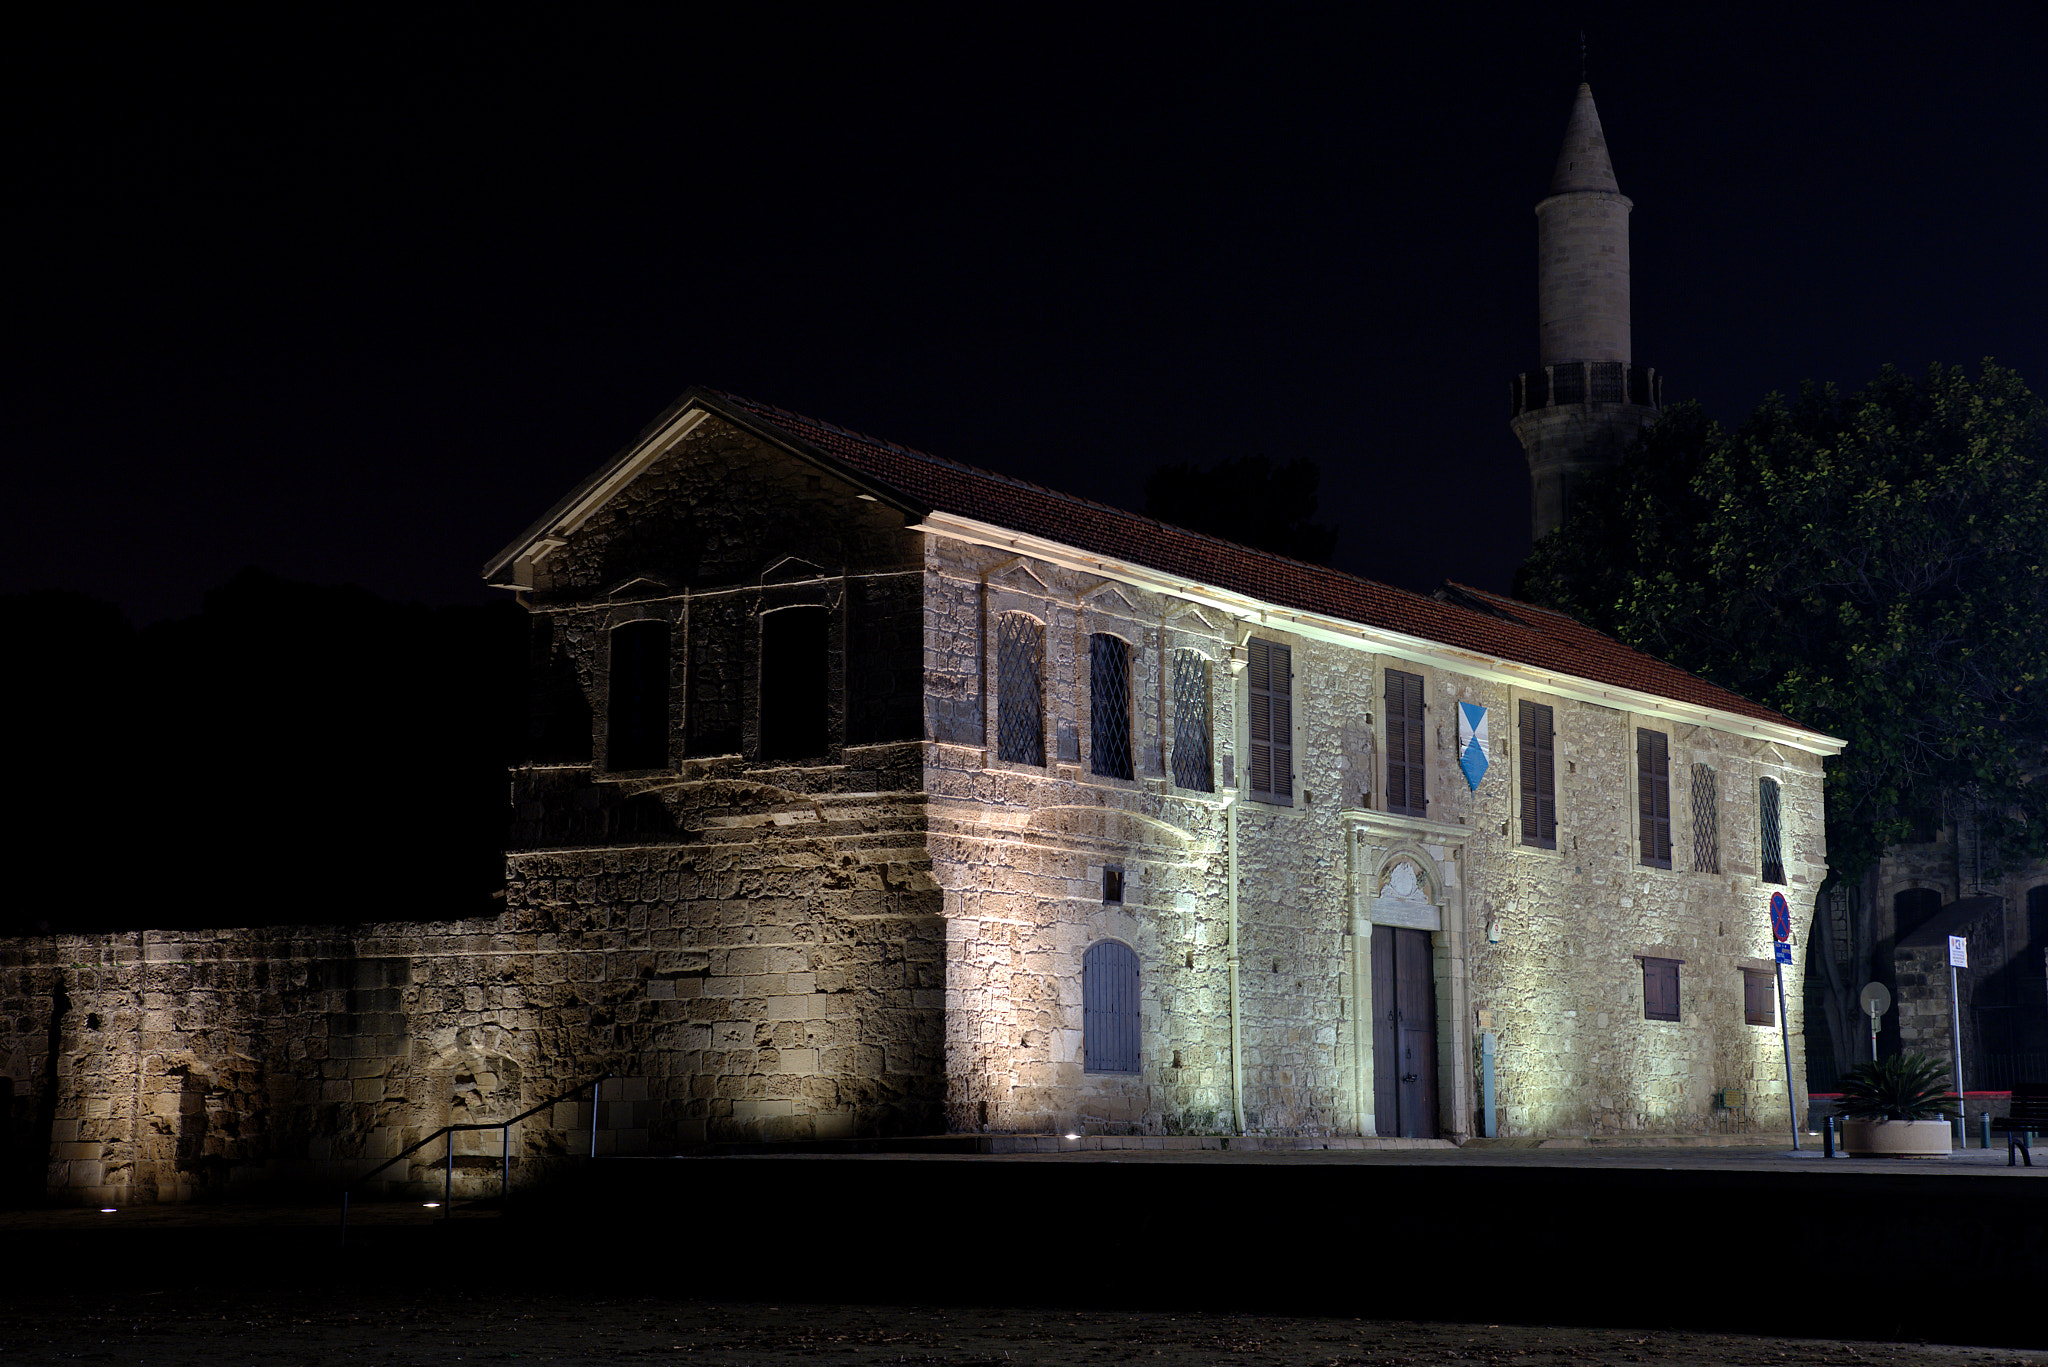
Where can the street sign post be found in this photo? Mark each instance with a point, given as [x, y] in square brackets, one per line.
[1781, 954]
[1958, 957]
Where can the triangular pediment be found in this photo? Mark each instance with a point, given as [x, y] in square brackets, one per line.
[640, 586]
[793, 569]
[1107, 596]
[1016, 576]
[1190, 617]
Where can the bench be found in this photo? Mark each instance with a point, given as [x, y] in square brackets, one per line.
[2029, 1112]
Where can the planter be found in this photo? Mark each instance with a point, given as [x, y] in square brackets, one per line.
[1896, 1138]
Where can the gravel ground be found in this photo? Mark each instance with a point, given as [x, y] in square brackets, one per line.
[319, 1327]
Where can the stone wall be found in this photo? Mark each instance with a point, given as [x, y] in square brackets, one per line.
[1543, 947]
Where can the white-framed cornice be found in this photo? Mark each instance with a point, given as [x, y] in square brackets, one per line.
[1360, 636]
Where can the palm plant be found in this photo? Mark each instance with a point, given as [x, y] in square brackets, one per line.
[1902, 1087]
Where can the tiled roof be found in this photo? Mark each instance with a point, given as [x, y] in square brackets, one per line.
[1466, 618]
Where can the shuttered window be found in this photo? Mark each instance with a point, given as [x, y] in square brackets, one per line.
[1653, 798]
[1407, 789]
[1020, 689]
[1191, 766]
[1109, 706]
[1706, 820]
[1539, 776]
[1109, 1008]
[636, 715]
[1270, 698]
[1660, 989]
[1759, 1004]
[1767, 822]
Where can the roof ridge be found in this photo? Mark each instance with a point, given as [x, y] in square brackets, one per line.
[1080, 500]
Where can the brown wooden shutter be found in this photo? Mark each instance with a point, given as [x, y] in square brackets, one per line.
[1660, 989]
[1759, 1006]
[1270, 696]
[1653, 794]
[1407, 792]
[1539, 776]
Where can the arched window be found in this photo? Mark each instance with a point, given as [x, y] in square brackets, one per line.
[636, 711]
[1109, 1008]
[795, 691]
[1109, 706]
[1020, 689]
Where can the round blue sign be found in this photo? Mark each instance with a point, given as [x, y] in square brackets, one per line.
[1781, 917]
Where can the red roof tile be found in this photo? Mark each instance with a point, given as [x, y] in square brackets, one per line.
[1491, 624]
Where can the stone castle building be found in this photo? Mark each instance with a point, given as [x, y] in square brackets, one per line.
[873, 794]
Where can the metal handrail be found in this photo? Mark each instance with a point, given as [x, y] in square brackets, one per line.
[504, 1126]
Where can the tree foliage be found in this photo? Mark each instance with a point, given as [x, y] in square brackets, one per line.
[1874, 565]
[1247, 499]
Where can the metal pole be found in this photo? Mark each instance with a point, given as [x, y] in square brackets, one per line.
[593, 1115]
[505, 1177]
[344, 1204]
[1785, 1037]
[1873, 1037]
[1955, 1025]
[448, 1178]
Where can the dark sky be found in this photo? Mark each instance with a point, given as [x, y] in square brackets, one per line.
[356, 297]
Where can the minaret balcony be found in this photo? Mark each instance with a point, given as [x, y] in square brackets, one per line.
[1577, 382]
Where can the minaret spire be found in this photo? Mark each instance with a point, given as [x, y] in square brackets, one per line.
[1588, 400]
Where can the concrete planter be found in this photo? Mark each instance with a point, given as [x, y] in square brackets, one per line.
[1896, 1138]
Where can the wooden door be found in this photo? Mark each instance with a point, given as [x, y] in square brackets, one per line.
[1403, 1034]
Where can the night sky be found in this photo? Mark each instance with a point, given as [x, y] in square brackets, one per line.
[356, 295]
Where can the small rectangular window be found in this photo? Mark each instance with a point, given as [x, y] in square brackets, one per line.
[1407, 784]
[1706, 821]
[1191, 766]
[1660, 989]
[1759, 1002]
[1269, 696]
[1767, 822]
[1109, 706]
[1653, 798]
[1112, 885]
[1539, 776]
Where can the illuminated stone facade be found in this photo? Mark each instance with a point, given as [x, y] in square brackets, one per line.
[848, 763]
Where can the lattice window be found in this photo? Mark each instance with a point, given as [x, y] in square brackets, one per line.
[1020, 689]
[1706, 820]
[1269, 694]
[1653, 798]
[1109, 1008]
[1191, 766]
[1539, 776]
[1109, 706]
[1767, 824]
[1407, 786]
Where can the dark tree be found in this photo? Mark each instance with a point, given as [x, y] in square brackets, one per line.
[1875, 565]
[1246, 499]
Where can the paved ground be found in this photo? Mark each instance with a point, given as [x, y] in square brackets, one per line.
[887, 1259]
[328, 1327]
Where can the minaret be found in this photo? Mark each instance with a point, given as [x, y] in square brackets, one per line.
[1587, 402]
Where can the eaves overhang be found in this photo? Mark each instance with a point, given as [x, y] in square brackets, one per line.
[1363, 636]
